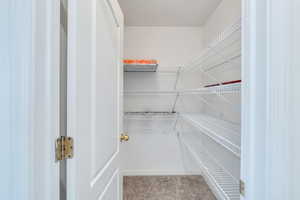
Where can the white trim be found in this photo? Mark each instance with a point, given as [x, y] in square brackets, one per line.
[45, 91]
[269, 91]
[283, 92]
[18, 70]
[71, 92]
[33, 56]
[5, 102]
[156, 173]
[254, 99]
[164, 28]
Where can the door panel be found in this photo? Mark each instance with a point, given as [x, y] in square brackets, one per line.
[104, 86]
[111, 192]
[94, 90]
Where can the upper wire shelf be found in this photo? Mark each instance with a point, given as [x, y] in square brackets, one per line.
[150, 122]
[159, 70]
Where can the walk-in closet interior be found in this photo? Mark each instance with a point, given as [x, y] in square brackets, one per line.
[182, 101]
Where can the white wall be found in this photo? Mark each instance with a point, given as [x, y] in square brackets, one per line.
[153, 147]
[171, 46]
[225, 14]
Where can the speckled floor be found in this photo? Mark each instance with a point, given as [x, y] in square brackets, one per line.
[166, 188]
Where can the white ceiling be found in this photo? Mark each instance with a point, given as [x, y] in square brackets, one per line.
[167, 12]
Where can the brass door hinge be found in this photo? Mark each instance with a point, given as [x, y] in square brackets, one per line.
[242, 188]
[124, 137]
[64, 148]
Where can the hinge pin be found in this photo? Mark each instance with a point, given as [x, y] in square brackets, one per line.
[242, 188]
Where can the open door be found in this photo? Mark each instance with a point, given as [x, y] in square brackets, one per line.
[94, 98]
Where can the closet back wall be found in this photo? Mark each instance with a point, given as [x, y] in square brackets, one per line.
[152, 151]
[171, 46]
[225, 14]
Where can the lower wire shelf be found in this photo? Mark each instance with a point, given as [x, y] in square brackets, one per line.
[223, 132]
[150, 122]
[224, 185]
[229, 88]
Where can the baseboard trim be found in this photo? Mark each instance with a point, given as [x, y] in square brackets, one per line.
[156, 173]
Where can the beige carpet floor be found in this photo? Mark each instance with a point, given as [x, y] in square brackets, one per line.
[166, 188]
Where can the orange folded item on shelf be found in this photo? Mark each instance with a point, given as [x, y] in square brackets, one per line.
[140, 62]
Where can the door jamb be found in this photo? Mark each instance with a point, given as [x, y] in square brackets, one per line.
[254, 94]
[269, 99]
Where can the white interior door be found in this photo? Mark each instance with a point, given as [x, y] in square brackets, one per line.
[94, 98]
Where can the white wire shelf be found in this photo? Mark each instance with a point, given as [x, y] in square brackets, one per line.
[149, 115]
[140, 67]
[221, 89]
[159, 71]
[168, 70]
[225, 184]
[229, 38]
[150, 122]
[225, 133]
[222, 62]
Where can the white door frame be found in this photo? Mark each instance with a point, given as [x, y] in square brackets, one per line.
[29, 77]
[253, 98]
[270, 99]
[46, 66]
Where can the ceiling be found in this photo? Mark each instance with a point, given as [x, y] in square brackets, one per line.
[167, 12]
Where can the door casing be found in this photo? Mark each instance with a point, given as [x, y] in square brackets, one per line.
[30, 45]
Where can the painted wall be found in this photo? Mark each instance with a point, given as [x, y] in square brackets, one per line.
[171, 46]
[154, 147]
[225, 14]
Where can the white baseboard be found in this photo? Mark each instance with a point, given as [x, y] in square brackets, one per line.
[156, 173]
